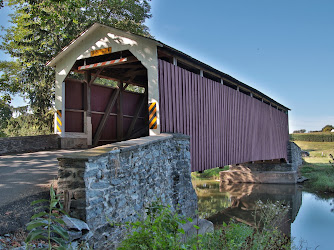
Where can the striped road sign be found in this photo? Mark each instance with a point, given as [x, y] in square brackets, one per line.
[59, 123]
[152, 110]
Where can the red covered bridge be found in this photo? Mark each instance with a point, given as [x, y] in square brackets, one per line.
[112, 86]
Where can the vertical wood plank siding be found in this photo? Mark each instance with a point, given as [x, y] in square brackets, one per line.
[225, 126]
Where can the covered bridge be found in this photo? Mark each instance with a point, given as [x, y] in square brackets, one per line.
[112, 85]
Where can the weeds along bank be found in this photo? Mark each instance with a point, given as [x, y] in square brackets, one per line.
[317, 166]
[162, 228]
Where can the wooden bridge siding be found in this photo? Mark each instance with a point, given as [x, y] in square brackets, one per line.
[225, 126]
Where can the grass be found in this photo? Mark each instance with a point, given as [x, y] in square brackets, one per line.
[208, 174]
[316, 167]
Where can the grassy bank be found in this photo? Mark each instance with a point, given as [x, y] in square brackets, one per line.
[316, 167]
[211, 174]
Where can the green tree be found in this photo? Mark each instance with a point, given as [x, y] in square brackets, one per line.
[327, 128]
[40, 29]
[5, 116]
[27, 124]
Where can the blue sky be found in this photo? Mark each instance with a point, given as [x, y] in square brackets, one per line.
[283, 48]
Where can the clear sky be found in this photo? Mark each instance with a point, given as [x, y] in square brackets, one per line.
[285, 48]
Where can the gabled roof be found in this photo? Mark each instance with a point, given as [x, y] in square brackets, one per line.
[83, 36]
[97, 26]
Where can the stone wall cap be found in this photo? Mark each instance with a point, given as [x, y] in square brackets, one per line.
[120, 146]
[28, 137]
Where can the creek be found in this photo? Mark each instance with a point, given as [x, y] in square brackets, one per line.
[310, 220]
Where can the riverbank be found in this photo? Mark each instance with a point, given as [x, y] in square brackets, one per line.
[210, 174]
[316, 167]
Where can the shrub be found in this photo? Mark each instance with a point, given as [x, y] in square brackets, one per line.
[159, 230]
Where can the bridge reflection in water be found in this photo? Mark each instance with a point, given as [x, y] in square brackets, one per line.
[222, 202]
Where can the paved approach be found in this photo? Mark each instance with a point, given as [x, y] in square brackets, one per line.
[25, 178]
[22, 175]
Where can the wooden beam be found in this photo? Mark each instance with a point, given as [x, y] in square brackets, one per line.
[134, 120]
[105, 117]
[136, 72]
[126, 85]
[125, 66]
[96, 75]
[108, 63]
[120, 112]
[102, 64]
[88, 77]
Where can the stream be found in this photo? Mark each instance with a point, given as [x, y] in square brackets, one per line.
[309, 222]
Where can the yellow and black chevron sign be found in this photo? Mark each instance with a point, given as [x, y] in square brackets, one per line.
[152, 110]
[59, 123]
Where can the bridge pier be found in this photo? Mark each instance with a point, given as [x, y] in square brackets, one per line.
[272, 171]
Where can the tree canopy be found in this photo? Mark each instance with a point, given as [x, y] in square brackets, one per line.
[327, 128]
[40, 29]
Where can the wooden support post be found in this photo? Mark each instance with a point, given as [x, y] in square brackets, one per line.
[88, 77]
[88, 110]
[105, 117]
[120, 112]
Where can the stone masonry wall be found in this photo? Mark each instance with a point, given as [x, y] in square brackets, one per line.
[117, 181]
[28, 143]
[266, 172]
[294, 155]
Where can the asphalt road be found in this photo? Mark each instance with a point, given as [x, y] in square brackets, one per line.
[24, 178]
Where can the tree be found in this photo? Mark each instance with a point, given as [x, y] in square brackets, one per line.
[327, 128]
[40, 29]
[5, 115]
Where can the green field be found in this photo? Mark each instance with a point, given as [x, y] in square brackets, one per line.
[316, 167]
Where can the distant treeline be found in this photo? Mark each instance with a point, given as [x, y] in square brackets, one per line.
[318, 137]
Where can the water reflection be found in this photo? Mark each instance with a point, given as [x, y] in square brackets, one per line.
[221, 202]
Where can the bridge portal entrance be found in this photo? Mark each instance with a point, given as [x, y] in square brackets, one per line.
[106, 98]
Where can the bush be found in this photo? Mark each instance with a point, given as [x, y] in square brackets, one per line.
[161, 230]
[316, 137]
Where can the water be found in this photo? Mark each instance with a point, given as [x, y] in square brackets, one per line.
[310, 219]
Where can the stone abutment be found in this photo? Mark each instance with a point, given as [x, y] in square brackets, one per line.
[114, 183]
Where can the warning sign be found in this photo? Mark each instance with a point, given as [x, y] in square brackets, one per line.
[100, 52]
